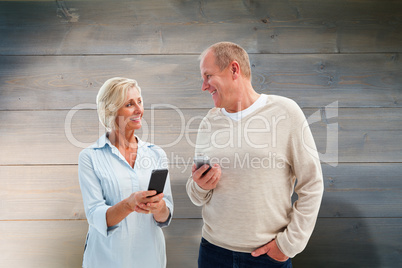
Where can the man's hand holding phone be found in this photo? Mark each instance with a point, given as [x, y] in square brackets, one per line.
[206, 176]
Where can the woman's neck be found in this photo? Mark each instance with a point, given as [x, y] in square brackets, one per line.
[124, 140]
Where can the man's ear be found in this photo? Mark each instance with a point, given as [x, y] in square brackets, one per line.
[235, 69]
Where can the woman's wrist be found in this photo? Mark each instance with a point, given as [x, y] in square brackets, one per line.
[129, 206]
[162, 215]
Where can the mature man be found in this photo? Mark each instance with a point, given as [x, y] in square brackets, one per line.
[258, 145]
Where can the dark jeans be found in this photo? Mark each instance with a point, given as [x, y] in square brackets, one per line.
[211, 256]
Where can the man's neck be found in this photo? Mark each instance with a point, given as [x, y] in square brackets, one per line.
[245, 100]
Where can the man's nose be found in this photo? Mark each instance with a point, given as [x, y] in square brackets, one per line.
[205, 85]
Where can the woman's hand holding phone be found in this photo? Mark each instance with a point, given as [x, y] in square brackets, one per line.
[151, 203]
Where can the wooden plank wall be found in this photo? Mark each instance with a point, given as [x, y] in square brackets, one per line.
[339, 59]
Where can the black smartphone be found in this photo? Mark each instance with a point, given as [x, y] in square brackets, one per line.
[158, 180]
[201, 160]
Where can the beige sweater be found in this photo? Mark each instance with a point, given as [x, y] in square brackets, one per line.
[261, 156]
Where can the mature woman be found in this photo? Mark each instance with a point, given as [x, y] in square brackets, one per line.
[125, 219]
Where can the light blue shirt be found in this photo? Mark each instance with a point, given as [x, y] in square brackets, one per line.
[106, 178]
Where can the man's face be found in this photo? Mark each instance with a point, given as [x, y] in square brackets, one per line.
[218, 83]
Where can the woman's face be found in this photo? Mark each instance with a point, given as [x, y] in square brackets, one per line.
[130, 115]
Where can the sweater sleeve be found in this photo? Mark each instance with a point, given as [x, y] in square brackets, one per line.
[309, 188]
[196, 194]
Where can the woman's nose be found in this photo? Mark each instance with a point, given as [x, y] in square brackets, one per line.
[137, 109]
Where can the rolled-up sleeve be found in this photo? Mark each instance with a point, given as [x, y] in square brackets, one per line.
[94, 202]
[169, 203]
[168, 197]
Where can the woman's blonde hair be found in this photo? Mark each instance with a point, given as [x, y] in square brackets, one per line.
[111, 97]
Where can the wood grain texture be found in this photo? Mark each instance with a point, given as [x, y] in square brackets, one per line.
[57, 137]
[183, 238]
[47, 244]
[338, 59]
[158, 27]
[53, 192]
[42, 243]
[47, 82]
[363, 242]
[363, 190]
[353, 242]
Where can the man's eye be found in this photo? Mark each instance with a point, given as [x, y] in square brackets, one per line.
[208, 76]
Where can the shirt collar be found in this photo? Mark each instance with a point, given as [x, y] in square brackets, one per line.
[103, 140]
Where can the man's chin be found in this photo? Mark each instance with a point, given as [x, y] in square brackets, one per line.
[217, 103]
